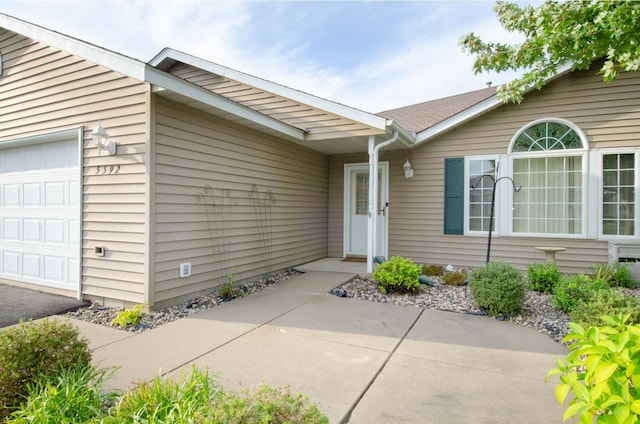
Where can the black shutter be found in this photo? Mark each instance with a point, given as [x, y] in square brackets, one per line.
[454, 196]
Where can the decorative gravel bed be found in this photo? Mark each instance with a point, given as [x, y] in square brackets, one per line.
[104, 315]
[538, 312]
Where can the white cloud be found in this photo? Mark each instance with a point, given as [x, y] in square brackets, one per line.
[417, 65]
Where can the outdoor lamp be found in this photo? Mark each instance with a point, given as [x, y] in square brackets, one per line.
[408, 170]
[99, 135]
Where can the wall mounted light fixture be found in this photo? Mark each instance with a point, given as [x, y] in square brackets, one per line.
[408, 170]
[99, 135]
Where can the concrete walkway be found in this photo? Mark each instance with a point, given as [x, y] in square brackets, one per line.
[362, 362]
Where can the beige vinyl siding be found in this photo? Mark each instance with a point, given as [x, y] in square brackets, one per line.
[609, 115]
[204, 214]
[43, 90]
[320, 125]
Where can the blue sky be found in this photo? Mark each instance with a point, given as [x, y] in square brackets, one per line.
[372, 55]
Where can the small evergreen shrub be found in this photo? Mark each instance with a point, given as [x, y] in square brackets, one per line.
[433, 270]
[543, 276]
[574, 289]
[606, 301]
[498, 288]
[601, 371]
[455, 278]
[129, 317]
[32, 351]
[397, 275]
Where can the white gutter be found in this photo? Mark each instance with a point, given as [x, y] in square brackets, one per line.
[373, 196]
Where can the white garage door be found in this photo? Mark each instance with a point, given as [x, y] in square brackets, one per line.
[39, 214]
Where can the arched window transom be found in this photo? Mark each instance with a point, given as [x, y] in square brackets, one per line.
[548, 135]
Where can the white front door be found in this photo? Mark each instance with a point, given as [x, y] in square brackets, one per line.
[40, 214]
[356, 201]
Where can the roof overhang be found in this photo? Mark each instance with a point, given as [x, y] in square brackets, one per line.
[475, 111]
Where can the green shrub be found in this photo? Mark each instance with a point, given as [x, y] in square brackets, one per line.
[573, 289]
[267, 405]
[616, 274]
[31, 351]
[398, 275]
[168, 401]
[601, 371]
[498, 288]
[433, 270]
[543, 277]
[129, 316]
[622, 276]
[455, 278]
[74, 397]
[197, 398]
[229, 291]
[606, 301]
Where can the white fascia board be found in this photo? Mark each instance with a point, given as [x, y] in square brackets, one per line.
[167, 81]
[130, 67]
[458, 119]
[290, 93]
[476, 110]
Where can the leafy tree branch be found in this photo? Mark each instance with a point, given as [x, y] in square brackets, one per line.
[556, 34]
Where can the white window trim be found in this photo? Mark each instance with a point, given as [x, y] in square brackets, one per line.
[577, 129]
[467, 190]
[598, 155]
[585, 188]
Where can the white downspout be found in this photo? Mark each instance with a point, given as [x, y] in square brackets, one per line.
[373, 197]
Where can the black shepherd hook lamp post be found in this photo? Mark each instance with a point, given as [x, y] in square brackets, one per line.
[493, 202]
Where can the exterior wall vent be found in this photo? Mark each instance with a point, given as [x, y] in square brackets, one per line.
[185, 269]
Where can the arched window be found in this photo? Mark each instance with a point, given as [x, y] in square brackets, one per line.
[547, 160]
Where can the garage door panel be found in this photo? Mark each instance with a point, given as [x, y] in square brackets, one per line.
[12, 229]
[55, 230]
[55, 194]
[31, 266]
[11, 263]
[31, 230]
[32, 193]
[39, 217]
[11, 195]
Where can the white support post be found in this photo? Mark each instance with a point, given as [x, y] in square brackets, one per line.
[371, 207]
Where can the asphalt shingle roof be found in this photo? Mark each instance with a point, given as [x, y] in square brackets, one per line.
[424, 115]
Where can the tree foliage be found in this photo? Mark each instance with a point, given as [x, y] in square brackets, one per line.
[572, 33]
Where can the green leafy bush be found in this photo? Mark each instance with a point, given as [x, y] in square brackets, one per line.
[499, 288]
[573, 289]
[602, 371]
[267, 405]
[73, 397]
[32, 351]
[623, 277]
[198, 398]
[543, 277]
[455, 278]
[398, 275]
[606, 301]
[433, 270]
[129, 316]
[168, 401]
[229, 291]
